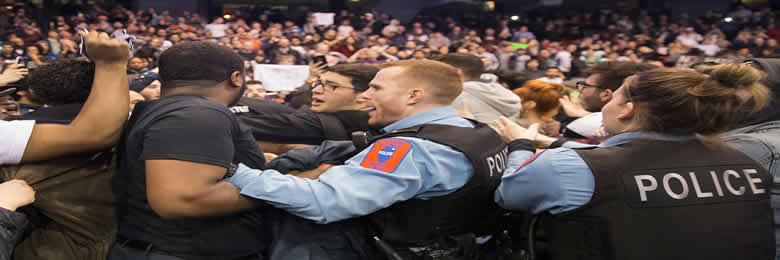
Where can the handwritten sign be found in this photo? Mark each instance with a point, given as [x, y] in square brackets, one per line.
[281, 77]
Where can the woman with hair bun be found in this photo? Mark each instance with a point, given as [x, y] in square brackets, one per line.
[540, 105]
[663, 186]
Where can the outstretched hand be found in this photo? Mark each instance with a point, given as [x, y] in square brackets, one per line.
[572, 108]
[13, 73]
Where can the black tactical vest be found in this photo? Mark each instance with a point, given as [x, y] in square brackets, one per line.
[668, 200]
[470, 209]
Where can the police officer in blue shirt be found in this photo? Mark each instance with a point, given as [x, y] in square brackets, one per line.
[426, 184]
[663, 187]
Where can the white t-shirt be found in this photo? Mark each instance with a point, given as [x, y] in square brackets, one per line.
[217, 29]
[345, 30]
[564, 60]
[551, 80]
[13, 140]
[587, 126]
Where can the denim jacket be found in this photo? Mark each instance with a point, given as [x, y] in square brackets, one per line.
[762, 143]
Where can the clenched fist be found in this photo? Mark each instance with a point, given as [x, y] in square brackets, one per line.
[104, 50]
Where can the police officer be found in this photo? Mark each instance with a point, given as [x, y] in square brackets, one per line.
[426, 184]
[659, 188]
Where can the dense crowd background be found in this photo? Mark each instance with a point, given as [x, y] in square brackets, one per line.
[530, 44]
[543, 81]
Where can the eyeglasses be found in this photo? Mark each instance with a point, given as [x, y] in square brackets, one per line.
[582, 85]
[330, 86]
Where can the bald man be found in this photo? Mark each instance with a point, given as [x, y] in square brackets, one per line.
[427, 179]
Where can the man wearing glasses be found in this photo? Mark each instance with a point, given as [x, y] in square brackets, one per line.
[596, 91]
[603, 79]
[335, 112]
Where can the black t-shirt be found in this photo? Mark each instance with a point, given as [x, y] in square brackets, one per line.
[194, 129]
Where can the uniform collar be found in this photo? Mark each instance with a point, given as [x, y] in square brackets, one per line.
[631, 136]
[422, 118]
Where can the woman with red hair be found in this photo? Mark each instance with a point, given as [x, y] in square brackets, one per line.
[540, 105]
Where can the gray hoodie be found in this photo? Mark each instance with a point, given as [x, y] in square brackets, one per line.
[488, 101]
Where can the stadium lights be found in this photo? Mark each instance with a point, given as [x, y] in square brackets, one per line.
[514, 18]
[728, 19]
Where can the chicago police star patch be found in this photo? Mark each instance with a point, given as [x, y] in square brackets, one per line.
[386, 154]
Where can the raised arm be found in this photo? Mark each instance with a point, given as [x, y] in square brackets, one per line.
[100, 121]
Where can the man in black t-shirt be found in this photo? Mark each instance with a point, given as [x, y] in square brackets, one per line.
[173, 155]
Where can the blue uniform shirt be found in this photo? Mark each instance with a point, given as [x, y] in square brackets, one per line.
[556, 180]
[416, 169]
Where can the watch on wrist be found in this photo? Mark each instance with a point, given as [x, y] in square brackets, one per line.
[231, 171]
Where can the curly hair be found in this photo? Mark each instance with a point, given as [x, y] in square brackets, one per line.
[61, 82]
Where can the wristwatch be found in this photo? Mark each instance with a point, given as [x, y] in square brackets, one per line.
[230, 171]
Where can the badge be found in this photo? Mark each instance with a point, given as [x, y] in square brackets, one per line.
[386, 154]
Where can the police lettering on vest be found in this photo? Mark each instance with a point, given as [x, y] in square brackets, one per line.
[694, 186]
[668, 200]
[497, 162]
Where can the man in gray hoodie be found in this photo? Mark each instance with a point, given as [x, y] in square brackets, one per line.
[758, 135]
[485, 101]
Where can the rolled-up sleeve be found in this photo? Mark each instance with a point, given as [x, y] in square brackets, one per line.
[555, 180]
[15, 135]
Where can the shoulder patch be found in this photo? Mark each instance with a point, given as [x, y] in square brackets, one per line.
[530, 160]
[386, 154]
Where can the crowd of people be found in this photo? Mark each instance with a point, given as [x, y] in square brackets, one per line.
[506, 137]
[529, 44]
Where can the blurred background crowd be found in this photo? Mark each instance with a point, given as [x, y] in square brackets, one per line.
[531, 43]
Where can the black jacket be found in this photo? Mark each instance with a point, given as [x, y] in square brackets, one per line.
[304, 126]
[11, 230]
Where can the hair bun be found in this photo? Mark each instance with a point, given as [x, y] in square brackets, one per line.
[729, 79]
[735, 75]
